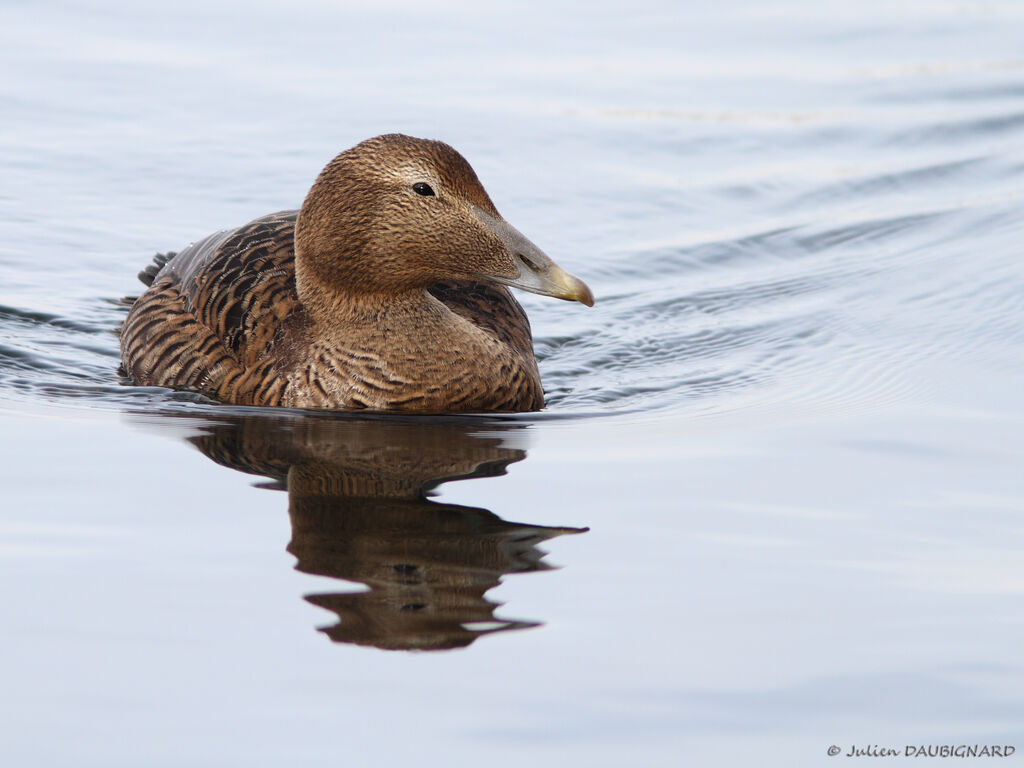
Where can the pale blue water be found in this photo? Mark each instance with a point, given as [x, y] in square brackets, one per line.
[791, 423]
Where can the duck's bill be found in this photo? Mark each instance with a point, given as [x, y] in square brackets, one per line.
[537, 272]
[548, 279]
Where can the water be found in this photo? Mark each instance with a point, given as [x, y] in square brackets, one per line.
[778, 480]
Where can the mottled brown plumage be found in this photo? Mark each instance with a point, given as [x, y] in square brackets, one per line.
[385, 291]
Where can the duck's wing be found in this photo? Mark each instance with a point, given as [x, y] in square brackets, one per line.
[489, 306]
[211, 313]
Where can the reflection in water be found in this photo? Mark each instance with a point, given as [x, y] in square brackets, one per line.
[357, 499]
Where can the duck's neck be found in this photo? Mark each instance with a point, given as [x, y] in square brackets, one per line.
[341, 315]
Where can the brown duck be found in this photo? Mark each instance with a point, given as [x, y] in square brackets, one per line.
[385, 291]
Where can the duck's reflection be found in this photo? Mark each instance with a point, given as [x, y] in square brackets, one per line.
[357, 499]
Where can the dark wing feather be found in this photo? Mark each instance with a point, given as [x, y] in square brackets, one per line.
[241, 284]
[148, 275]
[491, 307]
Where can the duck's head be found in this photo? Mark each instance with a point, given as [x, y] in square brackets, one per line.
[396, 213]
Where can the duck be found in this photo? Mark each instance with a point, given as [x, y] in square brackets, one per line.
[388, 290]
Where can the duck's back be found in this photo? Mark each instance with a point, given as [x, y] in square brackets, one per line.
[210, 316]
[240, 284]
[223, 318]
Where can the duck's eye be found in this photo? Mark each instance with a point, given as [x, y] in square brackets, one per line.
[420, 188]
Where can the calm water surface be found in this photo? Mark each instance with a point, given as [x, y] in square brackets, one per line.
[775, 503]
